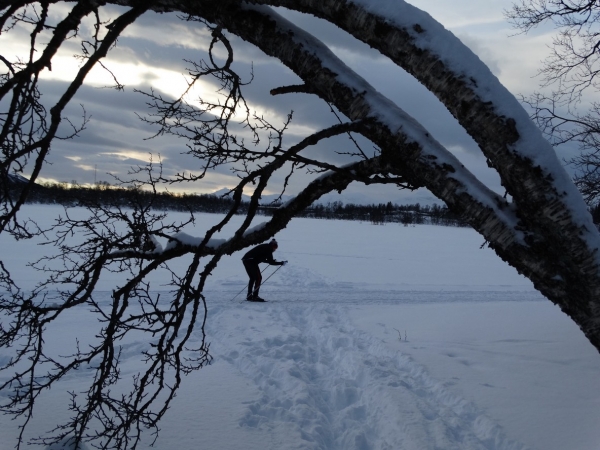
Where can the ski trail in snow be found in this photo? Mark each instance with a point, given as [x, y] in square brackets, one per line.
[326, 385]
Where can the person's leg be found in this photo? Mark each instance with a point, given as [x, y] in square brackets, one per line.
[251, 276]
[257, 283]
[254, 276]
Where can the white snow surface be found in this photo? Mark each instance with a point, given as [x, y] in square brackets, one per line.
[182, 238]
[375, 337]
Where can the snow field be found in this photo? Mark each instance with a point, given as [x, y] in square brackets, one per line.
[342, 389]
[488, 363]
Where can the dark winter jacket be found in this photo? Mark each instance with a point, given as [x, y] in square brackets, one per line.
[262, 253]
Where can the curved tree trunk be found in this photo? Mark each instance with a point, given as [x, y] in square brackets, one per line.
[564, 245]
[545, 231]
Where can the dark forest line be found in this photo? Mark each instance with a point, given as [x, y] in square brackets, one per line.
[105, 195]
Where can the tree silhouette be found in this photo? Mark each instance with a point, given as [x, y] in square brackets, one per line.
[566, 114]
[541, 227]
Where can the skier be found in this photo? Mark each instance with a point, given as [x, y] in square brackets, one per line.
[262, 253]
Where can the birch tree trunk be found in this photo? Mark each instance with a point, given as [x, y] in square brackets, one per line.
[545, 231]
[541, 227]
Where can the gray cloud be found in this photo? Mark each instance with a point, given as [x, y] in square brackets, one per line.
[115, 138]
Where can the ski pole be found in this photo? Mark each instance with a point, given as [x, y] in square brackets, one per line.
[245, 287]
[263, 283]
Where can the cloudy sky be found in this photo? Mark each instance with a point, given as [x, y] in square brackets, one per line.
[153, 52]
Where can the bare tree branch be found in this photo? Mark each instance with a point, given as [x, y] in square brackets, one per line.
[541, 230]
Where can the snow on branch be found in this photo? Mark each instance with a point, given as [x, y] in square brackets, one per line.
[366, 103]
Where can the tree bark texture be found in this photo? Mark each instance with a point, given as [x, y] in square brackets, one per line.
[539, 231]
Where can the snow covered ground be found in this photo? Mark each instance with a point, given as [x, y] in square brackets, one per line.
[376, 337]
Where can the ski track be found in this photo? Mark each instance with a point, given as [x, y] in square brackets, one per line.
[325, 385]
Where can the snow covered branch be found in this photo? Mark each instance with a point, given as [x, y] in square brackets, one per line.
[545, 204]
[542, 228]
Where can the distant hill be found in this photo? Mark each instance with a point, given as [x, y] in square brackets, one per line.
[17, 179]
[265, 199]
[15, 183]
[356, 198]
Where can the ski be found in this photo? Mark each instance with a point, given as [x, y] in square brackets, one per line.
[257, 301]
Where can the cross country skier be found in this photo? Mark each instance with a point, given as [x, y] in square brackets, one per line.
[262, 253]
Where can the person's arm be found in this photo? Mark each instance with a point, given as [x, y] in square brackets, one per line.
[273, 262]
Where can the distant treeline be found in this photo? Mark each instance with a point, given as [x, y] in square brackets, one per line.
[384, 213]
[105, 195]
